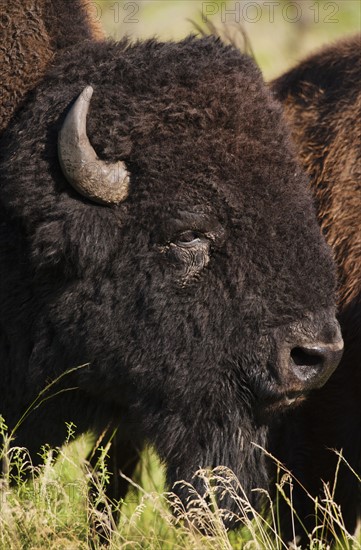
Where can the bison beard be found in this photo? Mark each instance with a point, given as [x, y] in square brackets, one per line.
[203, 302]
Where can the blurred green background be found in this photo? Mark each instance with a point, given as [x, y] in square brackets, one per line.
[279, 33]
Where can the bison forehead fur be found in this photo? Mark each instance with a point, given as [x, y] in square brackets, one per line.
[179, 337]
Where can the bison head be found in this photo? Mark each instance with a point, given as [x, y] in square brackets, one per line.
[200, 292]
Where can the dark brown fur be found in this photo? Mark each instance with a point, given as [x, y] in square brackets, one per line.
[322, 102]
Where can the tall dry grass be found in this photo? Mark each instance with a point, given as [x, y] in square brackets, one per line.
[48, 507]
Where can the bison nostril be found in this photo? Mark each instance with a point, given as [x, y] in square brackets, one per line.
[313, 365]
[310, 357]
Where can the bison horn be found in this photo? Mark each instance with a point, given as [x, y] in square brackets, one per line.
[100, 181]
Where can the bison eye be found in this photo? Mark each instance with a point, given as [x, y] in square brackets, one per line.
[188, 239]
[189, 252]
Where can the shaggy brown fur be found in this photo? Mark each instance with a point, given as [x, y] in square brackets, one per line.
[31, 31]
[191, 300]
[322, 101]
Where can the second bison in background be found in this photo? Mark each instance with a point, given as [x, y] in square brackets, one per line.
[322, 102]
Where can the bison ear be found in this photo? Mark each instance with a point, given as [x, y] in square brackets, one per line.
[99, 181]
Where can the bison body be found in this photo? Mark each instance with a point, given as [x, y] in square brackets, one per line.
[322, 102]
[203, 302]
[31, 33]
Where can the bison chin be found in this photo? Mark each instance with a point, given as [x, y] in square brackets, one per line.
[228, 472]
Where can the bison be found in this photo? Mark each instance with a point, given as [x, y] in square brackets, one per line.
[322, 103]
[31, 33]
[156, 228]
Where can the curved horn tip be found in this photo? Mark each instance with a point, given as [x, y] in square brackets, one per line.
[100, 181]
[87, 93]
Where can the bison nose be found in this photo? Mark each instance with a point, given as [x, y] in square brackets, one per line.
[314, 364]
